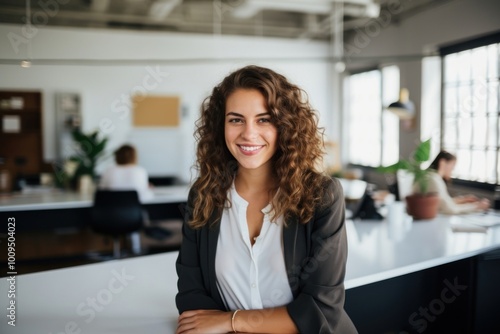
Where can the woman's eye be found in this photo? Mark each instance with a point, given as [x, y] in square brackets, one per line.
[235, 120]
[265, 120]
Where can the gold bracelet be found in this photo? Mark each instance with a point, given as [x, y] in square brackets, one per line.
[232, 320]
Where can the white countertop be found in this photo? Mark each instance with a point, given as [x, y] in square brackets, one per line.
[57, 199]
[379, 250]
[49, 302]
[53, 301]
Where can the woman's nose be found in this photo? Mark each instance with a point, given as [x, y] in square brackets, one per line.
[250, 131]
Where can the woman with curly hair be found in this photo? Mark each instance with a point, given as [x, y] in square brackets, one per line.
[264, 244]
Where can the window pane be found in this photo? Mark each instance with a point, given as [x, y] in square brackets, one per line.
[492, 133]
[470, 108]
[464, 66]
[479, 98]
[498, 168]
[430, 104]
[493, 97]
[464, 129]
[390, 122]
[451, 100]
[493, 61]
[478, 166]
[479, 63]
[479, 133]
[365, 118]
[451, 68]
[390, 77]
[450, 132]
[497, 126]
[463, 164]
[391, 139]
[490, 166]
[465, 100]
[373, 133]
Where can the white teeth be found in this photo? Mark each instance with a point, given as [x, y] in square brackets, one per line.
[250, 148]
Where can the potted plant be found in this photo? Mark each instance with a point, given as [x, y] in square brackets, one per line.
[421, 204]
[79, 168]
[89, 151]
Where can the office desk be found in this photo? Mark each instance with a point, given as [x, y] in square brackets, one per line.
[379, 250]
[57, 199]
[137, 295]
[49, 210]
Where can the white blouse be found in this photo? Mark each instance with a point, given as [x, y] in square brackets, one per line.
[446, 203]
[127, 177]
[250, 277]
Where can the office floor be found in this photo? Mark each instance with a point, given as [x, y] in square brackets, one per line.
[61, 249]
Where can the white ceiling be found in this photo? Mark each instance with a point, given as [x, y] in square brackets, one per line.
[273, 18]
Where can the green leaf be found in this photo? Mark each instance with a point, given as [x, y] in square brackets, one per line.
[402, 164]
[76, 158]
[92, 152]
[99, 147]
[78, 136]
[422, 180]
[413, 166]
[89, 150]
[423, 151]
[93, 136]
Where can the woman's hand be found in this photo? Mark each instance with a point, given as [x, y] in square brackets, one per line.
[483, 204]
[204, 321]
[466, 199]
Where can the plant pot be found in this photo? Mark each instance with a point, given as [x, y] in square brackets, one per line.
[422, 206]
[86, 184]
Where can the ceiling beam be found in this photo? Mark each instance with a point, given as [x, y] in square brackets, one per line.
[160, 9]
[252, 7]
[244, 27]
[100, 6]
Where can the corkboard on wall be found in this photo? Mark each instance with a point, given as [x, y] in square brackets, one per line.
[162, 111]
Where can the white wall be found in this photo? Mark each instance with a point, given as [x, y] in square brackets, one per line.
[447, 23]
[162, 151]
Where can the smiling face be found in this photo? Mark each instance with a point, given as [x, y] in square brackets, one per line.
[250, 135]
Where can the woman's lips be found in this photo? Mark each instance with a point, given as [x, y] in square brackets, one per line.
[250, 149]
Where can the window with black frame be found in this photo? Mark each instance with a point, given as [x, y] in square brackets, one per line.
[372, 133]
[470, 124]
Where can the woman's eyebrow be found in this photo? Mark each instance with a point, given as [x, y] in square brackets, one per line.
[232, 113]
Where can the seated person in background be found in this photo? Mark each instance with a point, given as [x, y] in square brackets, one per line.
[442, 167]
[126, 174]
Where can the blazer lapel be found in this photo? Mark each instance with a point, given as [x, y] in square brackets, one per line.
[213, 237]
[290, 247]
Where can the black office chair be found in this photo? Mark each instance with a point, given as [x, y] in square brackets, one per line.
[116, 213]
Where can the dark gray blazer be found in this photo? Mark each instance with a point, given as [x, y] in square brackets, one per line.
[315, 258]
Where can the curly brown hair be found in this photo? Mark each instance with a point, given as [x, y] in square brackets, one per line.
[295, 164]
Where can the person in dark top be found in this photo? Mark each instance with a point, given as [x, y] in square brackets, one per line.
[264, 244]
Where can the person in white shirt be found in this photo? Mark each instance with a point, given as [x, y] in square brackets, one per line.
[126, 174]
[442, 168]
[264, 243]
